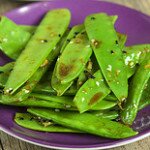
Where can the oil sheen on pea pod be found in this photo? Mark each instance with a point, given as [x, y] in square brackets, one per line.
[74, 58]
[87, 123]
[73, 33]
[44, 40]
[91, 92]
[31, 122]
[145, 98]
[104, 41]
[136, 88]
[23, 92]
[9, 34]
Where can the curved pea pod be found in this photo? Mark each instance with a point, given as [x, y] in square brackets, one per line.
[9, 34]
[136, 88]
[74, 31]
[91, 92]
[57, 86]
[145, 98]
[44, 40]
[106, 114]
[104, 105]
[79, 50]
[87, 123]
[104, 41]
[29, 121]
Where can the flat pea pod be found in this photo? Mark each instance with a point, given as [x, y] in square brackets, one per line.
[145, 98]
[45, 38]
[79, 50]
[74, 31]
[136, 88]
[86, 123]
[29, 121]
[104, 41]
[9, 34]
[25, 91]
[91, 92]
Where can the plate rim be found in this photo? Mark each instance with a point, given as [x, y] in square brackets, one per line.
[91, 147]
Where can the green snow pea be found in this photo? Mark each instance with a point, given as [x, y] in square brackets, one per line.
[104, 42]
[12, 38]
[25, 91]
[7, 67]
[74, 31]
[86, 123]
[145, 98]
[91, 92]
[31, 122]
[106, 114]
[45, 38]
[69, 67]
[136, 88]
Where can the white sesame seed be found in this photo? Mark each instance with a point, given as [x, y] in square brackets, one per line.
[26, 91]
[68, 106]
[83, 99]
[88, 46]
[71, 42]
[109, 68]
[57, 110]
[97, 83]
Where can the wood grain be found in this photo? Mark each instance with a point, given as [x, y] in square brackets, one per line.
[9, 143]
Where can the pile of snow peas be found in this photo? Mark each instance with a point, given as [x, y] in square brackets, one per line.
[80, 80]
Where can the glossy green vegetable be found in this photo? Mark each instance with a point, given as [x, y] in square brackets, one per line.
[31, 122]
[104, 42]
[74, 32]
[91, 92]
[86, 123]
[44, 40]
[145, 98]
[79, 50]
[12, 38]
[136, 88]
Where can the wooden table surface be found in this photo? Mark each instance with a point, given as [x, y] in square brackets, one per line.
[9, 143]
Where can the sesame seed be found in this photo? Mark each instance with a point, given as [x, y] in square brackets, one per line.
[109, 68]
[97, 83]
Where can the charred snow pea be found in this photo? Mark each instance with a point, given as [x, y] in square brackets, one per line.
[72, 34]
[25, 91]
[86, 123]
[44, 40]
[12, 38]
[104, 42]
[136, 88]
[91, 92]
[69, 67]
[32, 122]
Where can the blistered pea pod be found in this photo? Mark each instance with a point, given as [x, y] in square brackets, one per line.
[86, 122]
[136, 88]
[69, 67]
[44, 40]
[29, 121]
[9, 34]
[91, 92]
[25, 91]
[104, 41]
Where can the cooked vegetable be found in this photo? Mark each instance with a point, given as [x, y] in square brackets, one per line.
[104, 42]
[136, 88]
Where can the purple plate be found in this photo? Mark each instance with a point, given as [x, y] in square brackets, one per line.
[135, 24]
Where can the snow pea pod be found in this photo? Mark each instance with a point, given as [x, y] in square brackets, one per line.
[12, 38]
[104, 42]
[74, 31]
[91, 92]
[86, 123]
[145, 98]
[45, 38]
[29, 121]
[79, 50]
[136, 88]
